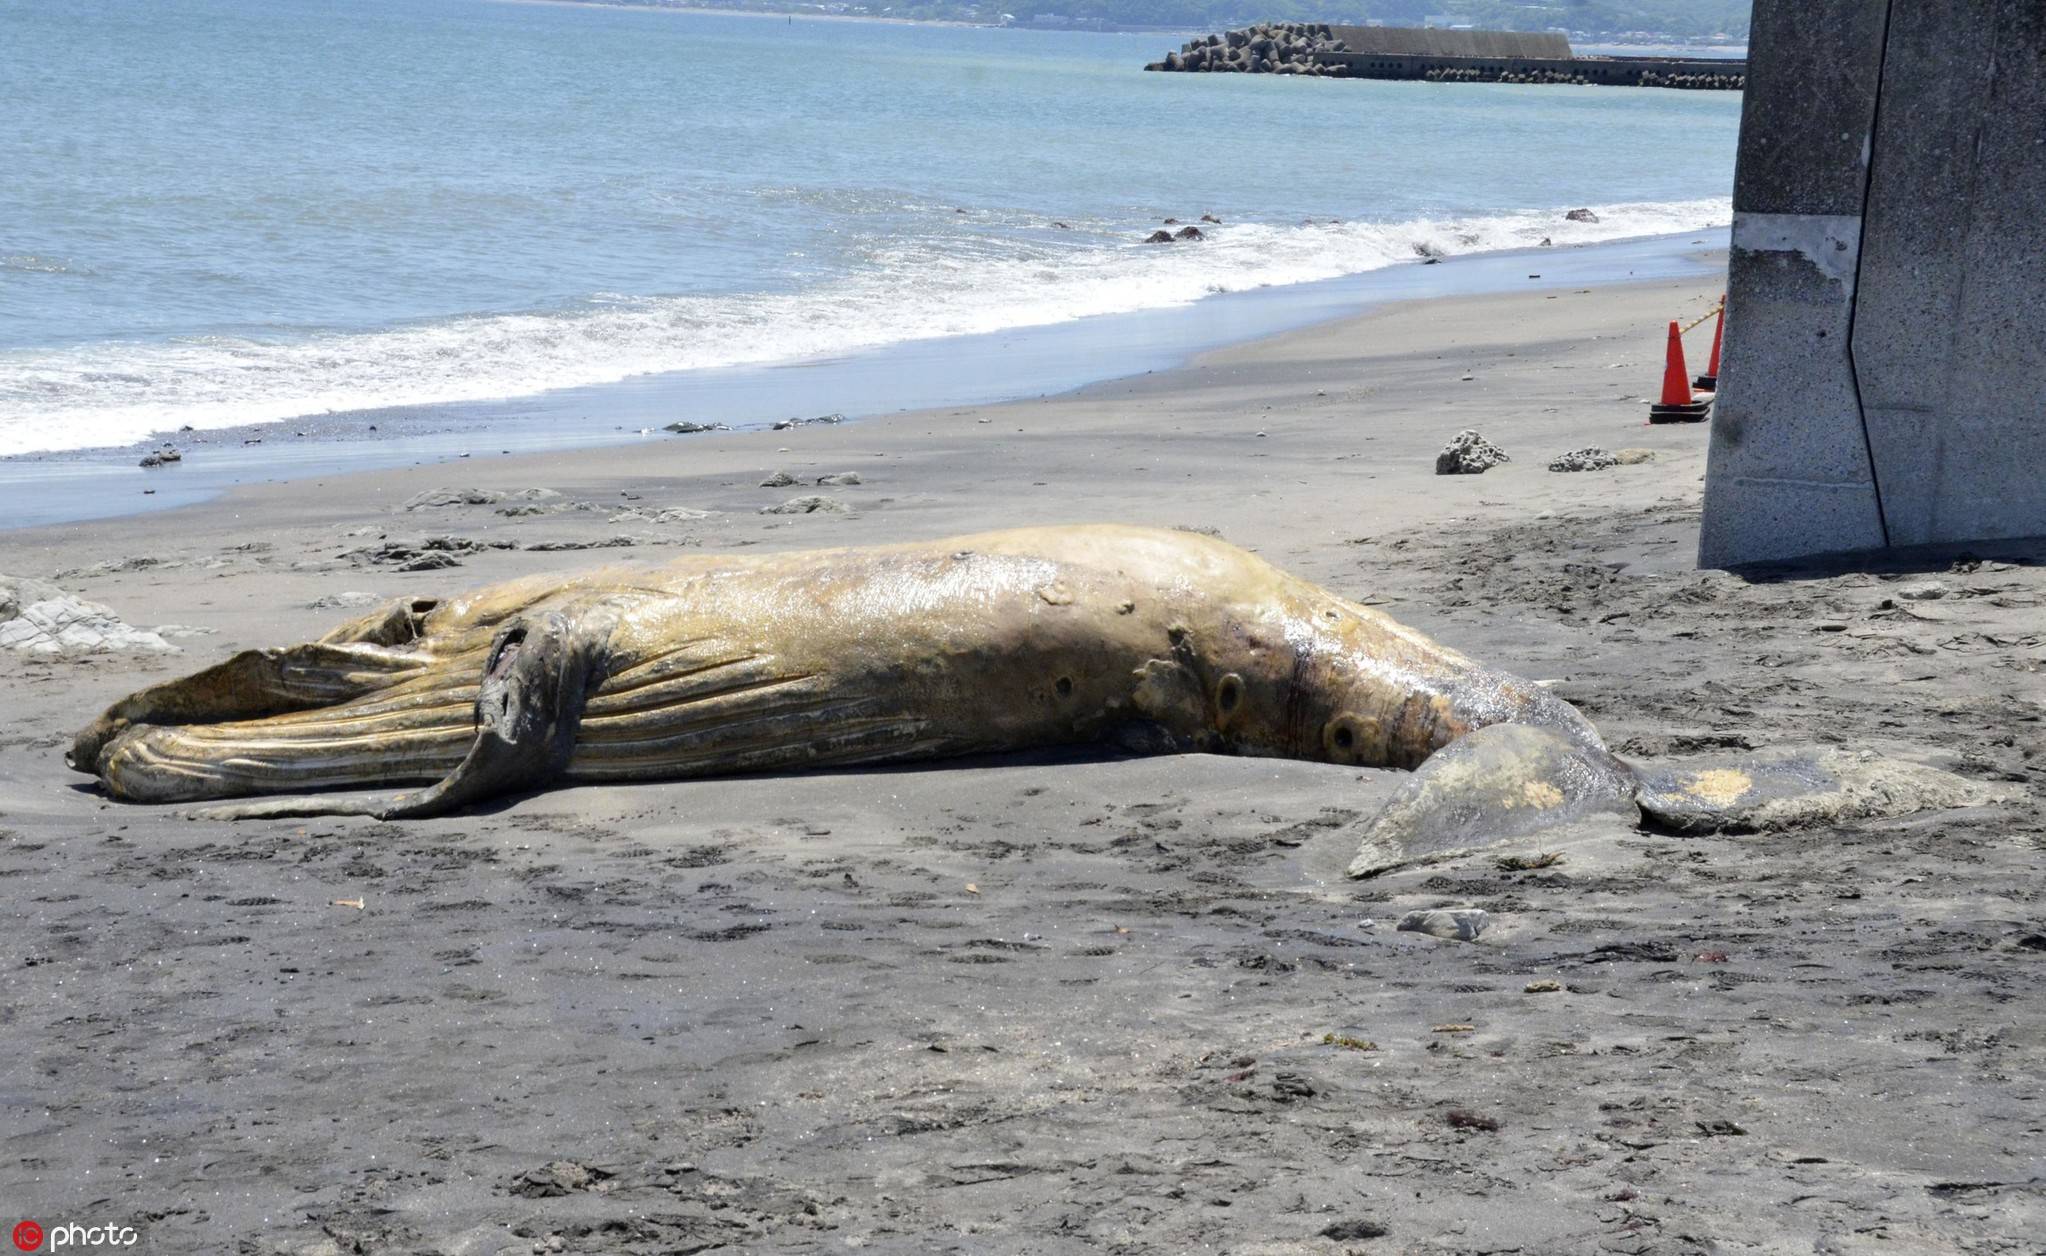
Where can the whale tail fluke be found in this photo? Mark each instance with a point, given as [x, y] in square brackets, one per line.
[1506, 781]
[1796, 788]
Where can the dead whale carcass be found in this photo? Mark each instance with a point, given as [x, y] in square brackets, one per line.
[718, 664]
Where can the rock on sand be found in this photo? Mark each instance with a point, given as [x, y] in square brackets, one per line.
[808, 506]
[1590, 458]
[1468, 453]
[39, 618]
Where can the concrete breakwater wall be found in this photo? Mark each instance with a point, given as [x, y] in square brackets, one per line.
[1440, 56]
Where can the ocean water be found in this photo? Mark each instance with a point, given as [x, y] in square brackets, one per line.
[219, 212]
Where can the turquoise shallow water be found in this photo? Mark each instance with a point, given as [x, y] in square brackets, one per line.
[231, 211]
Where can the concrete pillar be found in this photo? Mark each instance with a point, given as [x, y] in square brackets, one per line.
[1883, 372]
[1789, 470]
[1950, 331]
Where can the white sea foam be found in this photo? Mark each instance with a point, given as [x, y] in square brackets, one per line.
[114, 393]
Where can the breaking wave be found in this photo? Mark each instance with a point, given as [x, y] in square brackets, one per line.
[115, 393]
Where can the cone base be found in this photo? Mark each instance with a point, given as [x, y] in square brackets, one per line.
[1710, 383]
[1695, 412]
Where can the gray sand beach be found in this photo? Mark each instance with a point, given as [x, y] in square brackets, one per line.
[1072, 1002]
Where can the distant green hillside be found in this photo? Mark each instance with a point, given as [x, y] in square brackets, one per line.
[1677, 19]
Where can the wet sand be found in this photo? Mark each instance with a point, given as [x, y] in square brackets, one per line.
[1072, 1002]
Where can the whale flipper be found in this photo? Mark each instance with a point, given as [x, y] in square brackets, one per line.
[1497, 783]
[537, 677]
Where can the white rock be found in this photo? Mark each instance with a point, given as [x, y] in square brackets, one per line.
[39, 618]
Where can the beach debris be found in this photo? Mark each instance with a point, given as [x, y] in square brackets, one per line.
[808, 506]
[1353, 1230]
[1286, 1087]
[1468, 453]
[609, 542]
[1348, 1042]
[780, 479]
[1527, 863]
[115, 566]
[685, 427]
[1542, 987]
[1547, 243]
[1461, 924]
[673, 514]
[37, 617]
[972, 888]
[1188, 233]
[426, 554]
[1711, 957]
[1633, 457]
[1454, 1028]
[162, 457]
[439, 498]
[839, 479]
[1465, 1119]
[1581, 215]
[1159, 237]
[1719, 1129]
[183, 630]
[356, 903]
[1062, 226]
[1922, 591]
[1590, 458]
[557, 1178]
[348, 600]
[783, 425]
[430, 562]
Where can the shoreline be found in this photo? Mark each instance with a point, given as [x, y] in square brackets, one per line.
[69, 486]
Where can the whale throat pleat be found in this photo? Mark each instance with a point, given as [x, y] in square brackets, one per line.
[738, 712]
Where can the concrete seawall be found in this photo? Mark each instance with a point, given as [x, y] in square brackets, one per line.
[1699, 74]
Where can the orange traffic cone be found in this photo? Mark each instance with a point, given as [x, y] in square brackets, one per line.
[1709, 381]
[1677, 404]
